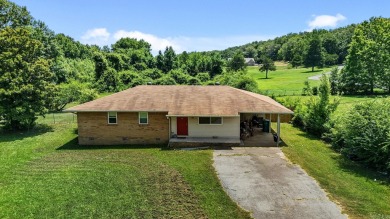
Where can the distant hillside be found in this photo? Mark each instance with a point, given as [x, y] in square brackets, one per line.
[292, 47]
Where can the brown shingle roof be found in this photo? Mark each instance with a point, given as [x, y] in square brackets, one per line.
[184, 100]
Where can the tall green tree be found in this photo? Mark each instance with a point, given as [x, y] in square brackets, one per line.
[26, 83]
[314, 55]
[167, 61]
[266, 65]
[170, 59]
[237, 62]
[13, 15]
[368, 62]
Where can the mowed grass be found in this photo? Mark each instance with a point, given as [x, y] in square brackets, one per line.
[284, 81]
[45, 174]
[362, 193]
[346, 102]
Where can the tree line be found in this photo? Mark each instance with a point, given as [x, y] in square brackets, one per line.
[317, 48]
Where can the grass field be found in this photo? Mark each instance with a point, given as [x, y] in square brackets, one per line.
[346, 102]
[284, 81]
[361, 193]
[45, 174]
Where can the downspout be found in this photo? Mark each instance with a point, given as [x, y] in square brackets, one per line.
[278, 131]
[169, 131]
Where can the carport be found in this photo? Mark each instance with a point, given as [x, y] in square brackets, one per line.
[261, 135]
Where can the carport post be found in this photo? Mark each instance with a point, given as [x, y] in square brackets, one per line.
[270, 121]
[278, 131]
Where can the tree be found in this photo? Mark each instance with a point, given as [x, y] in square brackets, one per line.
[26, 87]
[368, 62]
[237, 62]
[13, 15]
[170, 59]
[109, 81]
[216, 65]
[314, 56]
[319, 109]
[126, 44]
[101, 64]
[334, 81]
[167, 61]
[70, 92]
[267, 65]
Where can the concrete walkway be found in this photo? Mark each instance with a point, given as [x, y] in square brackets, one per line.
[318, 77]
[263, 182]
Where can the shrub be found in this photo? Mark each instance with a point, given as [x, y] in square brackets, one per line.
[334, 81]
[247, 83]
[319, 109]
[165, 80]
[364, 133]
[307, 91]
[194, 81]
[314, 90]
[153, 73]
[203, 77]
[179, 76]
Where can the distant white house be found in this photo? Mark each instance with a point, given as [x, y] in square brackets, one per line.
[250, 61]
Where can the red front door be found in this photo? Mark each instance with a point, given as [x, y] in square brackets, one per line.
[182, 125]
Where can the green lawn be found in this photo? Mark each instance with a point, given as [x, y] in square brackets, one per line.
[45, 174]
[361, 193]
[346, 102]
[284, 81]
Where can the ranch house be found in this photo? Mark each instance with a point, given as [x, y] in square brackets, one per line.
[180, 116]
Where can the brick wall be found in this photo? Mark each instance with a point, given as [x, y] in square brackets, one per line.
[93, 129]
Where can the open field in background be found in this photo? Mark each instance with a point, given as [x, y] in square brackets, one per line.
[284, 81]
[362, 193]
[346, 102]
[45, 174]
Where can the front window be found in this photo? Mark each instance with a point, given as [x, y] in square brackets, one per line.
[143, 118]
[210, 120]
[112, 118]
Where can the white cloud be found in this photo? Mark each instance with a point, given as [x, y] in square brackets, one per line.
[98, 36]
[322, 21]
[101, 37]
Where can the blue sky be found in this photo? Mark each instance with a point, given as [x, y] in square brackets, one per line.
[197, 25]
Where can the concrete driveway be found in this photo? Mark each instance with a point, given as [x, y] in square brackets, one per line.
[264, 182]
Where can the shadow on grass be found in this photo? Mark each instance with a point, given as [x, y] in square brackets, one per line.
[353, 167]
[309, 71]
[73, 145]
[39, 129]
[358, 169]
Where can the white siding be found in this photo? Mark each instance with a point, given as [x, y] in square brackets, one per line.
[229, 128]
[173, 125]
